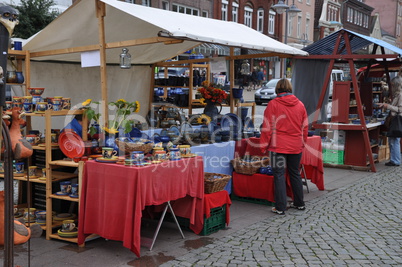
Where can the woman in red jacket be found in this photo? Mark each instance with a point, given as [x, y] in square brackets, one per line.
[284, 133]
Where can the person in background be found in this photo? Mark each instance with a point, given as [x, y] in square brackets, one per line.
[254, 79]
[75, 125]
[284, 133]
[395, 107]
[260, 76]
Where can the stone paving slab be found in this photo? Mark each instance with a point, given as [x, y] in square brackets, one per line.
[356, 225]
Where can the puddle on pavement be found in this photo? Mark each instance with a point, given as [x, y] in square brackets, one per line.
[197, 243]
[150, 261]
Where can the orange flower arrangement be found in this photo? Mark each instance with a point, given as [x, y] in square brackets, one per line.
[212, 92]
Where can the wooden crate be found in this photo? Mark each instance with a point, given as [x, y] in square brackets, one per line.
[383, 153]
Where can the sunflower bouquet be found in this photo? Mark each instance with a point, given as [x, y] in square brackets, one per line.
[89, 111]
[211, 92]
[123, 110]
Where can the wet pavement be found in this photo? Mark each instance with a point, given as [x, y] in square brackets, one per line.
[356, 221]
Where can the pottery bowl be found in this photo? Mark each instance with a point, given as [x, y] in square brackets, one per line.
[36, 90]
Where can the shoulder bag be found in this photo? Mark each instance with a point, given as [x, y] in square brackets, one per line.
[395, 127]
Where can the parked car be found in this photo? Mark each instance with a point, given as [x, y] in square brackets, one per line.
[266, 93]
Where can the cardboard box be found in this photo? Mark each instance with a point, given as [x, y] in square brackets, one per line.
[383, 153]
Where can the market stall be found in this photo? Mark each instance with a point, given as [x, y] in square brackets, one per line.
[83, 62]
[354, 117]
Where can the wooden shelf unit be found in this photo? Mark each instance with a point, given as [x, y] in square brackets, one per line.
[52, 174]
[355, 151]
[190, 86]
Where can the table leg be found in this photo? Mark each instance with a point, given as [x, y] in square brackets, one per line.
[303, 172]
[160, 223]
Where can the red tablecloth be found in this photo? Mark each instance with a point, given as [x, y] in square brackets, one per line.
[113, 197]
[311, 159]
[260, 186]
[217, 199]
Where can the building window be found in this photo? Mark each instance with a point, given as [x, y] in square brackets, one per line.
[271, 22]
[248, 15]
[260, 20]
[299, 22]
[146, 2]
[204, 14]
[307, 28]
[235, 12]
[185, 10]
[165, 5]
[290, 26]
[224, 10]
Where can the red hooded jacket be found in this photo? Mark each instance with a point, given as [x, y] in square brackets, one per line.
[285, 126]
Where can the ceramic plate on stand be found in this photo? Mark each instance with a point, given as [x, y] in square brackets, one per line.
[71, 144]
[175, 129]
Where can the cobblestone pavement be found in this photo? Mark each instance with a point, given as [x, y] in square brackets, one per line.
[357, 225]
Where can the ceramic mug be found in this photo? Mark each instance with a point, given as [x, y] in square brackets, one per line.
[26, 99]
[53, 138]
[74, 189]
[36, 99]
[28, 107]
[137, 156]
[68, 225]
[32, 139]
[65, 187]
[29, 214]
[17, 99]
[41, 107]
[19, 167]
[174, 154]
[108, 152]
[185, 149]
[160, 155]
[9, 105]
[66, 103]
[32, 171]
[56, 107]
[56, 101]
[41, 216]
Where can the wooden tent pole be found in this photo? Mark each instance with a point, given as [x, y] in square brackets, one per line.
[359, 103]
[100, 14]
[232, 78]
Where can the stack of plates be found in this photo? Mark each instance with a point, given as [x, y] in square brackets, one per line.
[68, 234]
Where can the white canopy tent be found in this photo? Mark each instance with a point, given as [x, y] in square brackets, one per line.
[130, 25]
[151, 35]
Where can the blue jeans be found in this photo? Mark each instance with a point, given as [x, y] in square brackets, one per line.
[394, 150]
[290, 163]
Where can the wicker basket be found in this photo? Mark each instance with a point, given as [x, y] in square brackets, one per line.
[214, 182]
[128, 147]
[249, 167]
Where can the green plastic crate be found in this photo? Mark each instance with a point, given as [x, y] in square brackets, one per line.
[253, 200]
[216, 222]
[333, 156]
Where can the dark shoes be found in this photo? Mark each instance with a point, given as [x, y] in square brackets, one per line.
[390, 163]
[274, 210]
[297, 207]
